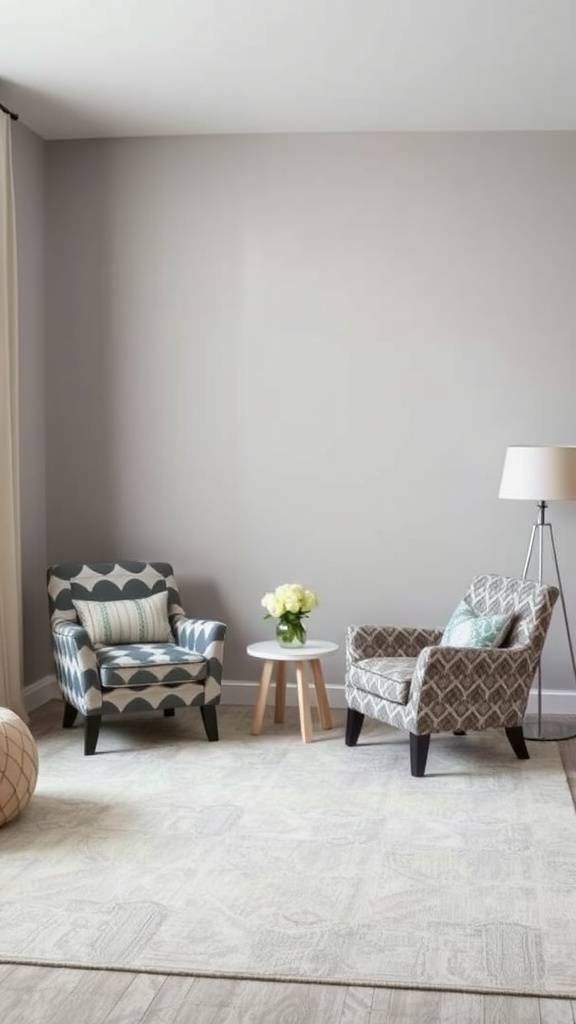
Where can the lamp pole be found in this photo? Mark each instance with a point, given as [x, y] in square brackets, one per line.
[544, 731]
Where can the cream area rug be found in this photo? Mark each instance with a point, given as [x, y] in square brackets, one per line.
[263, 857]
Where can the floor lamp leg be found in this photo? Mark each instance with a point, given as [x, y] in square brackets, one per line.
[540, 729]
[563, 602]
[529, 552]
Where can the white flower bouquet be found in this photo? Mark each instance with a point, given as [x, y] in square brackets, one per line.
[290, 603]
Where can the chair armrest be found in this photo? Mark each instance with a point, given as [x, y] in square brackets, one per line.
[197, 634]
[72, 639]
[456, 687]
[204, 636]
[76, 665]
[73, 630]
[387, 641]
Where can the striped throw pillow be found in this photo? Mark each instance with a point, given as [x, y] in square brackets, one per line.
[143, 620]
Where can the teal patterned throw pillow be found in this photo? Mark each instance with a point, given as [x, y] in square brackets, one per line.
[466, 629]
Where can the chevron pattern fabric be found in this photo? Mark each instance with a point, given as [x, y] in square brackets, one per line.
[110, 679]
[389, 678]
[388, 641]
[452, 688]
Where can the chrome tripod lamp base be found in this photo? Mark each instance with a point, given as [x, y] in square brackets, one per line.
[547, 730]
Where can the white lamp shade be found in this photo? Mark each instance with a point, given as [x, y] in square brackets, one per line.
[539, 473]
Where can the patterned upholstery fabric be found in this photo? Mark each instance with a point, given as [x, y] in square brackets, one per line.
[454, 688]
[387, 677]
[143, 620]
[468, 629]
[97, 680]
[388, 641]
[148, 664]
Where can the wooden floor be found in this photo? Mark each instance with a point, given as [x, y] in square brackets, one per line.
[39, 995]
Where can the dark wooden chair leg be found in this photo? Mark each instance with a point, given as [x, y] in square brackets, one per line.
[515, 735]
[418, 753]
[169, 712]
[91, 730]
[69, 717]
[208, 712]
[354, 723]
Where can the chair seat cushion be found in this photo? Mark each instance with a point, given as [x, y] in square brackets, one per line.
[149, 664]
[388, 678]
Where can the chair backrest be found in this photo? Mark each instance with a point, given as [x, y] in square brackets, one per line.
[532, 604]
[108, 581]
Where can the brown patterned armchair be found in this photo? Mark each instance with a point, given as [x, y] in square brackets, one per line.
[404, 677]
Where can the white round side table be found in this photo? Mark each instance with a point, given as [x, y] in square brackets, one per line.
[275, 658]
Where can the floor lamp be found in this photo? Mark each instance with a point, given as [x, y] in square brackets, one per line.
[542, 474]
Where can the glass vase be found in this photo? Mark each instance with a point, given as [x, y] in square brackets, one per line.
[291, 632]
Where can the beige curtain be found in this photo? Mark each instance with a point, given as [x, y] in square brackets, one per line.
[10, 574]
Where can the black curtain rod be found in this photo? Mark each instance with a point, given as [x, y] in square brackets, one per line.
[11, 114]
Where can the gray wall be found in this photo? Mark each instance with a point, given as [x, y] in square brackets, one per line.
[302, 357]
[28, 166]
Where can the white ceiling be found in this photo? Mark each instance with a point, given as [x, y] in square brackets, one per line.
[92, 68]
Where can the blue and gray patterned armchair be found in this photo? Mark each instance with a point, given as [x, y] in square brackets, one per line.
[122, 643]
[415, 680]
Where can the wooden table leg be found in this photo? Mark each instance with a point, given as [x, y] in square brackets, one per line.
[321, 696]
[261, 698]
[280, 705]
[304, 702]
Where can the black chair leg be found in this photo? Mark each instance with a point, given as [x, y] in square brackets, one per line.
[515, 735]
[169, 712]
[91, 730]
[418, 753]
[354, 723]
[208, 712]
[69, 717]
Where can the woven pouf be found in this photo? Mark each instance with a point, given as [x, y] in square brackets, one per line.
[18, 765]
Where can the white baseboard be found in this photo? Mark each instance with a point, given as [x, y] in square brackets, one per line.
[554, 702]
[234, 691]
[40, 692]
[237, 691]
